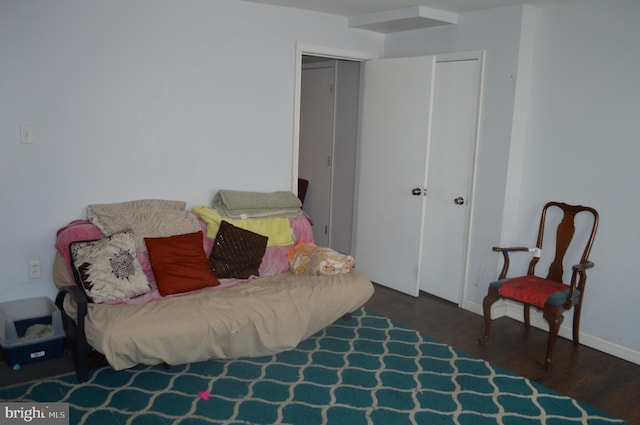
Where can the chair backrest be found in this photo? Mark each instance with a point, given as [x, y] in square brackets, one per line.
[564, 236]
[303, 185]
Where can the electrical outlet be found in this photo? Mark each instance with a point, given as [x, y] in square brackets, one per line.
[26, 134]
[34, 269]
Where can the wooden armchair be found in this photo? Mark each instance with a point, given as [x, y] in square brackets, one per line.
[549, 294]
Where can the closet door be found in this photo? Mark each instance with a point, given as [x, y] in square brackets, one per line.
[394, 136]
[419, 123]
[449, 177]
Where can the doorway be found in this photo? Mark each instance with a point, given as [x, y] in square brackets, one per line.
[329, 102]
[417, 278]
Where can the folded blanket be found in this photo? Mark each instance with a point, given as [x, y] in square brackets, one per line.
[277, 229]
[308, 258]
[148, 218]
[238, 204]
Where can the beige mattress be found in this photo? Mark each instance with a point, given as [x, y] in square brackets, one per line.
[261, 317]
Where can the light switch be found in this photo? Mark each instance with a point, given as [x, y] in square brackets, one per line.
[26, 134]
[34, 269]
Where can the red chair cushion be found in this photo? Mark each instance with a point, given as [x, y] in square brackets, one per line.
[531, 289]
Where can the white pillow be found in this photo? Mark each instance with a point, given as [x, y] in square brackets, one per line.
[108, 269]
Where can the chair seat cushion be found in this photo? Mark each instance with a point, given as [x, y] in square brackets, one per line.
[534, 290]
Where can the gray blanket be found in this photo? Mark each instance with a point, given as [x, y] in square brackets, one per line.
[239, 204]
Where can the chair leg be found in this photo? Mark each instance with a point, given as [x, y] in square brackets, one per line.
[553, 315]
[492, 296]
[527, 316]
[576, 324]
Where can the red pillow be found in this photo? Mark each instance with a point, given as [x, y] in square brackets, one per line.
[180, 264]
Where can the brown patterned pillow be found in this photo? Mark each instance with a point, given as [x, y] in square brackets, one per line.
[237, 253]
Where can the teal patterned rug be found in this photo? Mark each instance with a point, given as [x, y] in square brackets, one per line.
[369, 370]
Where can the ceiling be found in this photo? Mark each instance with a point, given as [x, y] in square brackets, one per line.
[400, 15]
[359, 7]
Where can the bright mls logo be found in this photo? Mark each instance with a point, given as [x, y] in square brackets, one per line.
[36, 413]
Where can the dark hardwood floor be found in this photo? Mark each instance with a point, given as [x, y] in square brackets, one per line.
[590, 376]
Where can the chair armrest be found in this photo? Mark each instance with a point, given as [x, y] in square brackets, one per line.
[78, 297]
[583, 266]
[505, 255]
[578, 270]
[510, 249]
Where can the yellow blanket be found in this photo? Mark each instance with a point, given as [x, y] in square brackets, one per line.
[277, 229]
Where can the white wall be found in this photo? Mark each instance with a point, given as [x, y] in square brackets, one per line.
[578, 142]
[142, 99]
[582, 147]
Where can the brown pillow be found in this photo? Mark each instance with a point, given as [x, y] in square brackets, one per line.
[179, 263]
[237, 253]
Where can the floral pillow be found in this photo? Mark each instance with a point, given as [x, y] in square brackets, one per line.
[307, 258]
[108, 269]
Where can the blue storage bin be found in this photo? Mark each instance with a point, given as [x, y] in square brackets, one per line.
[16, 317]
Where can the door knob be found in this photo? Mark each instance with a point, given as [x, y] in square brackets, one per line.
[459, 200]
[416, 191]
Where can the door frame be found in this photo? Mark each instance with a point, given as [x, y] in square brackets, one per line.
[322, 51]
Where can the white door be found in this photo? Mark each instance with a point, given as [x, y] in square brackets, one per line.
[394, 133]
[418, 131]
[449, 178]
[316, 142]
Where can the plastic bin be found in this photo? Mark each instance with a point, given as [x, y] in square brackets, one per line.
[16, 317]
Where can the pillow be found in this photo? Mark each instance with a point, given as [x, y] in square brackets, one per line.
[307, 258]
[107, 269]
[237, 253]
[179, 263]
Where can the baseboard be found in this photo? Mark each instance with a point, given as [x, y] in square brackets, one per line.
[514, 311]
